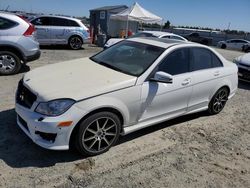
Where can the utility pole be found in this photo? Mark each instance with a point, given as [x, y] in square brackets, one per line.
[229, 24]
[7, 8]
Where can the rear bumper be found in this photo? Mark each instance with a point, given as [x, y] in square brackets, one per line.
[33, 57]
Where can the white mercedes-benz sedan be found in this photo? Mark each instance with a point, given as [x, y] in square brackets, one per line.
[139, 82]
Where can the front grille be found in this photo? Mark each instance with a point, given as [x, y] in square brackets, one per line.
[23, 123]
[245, 73]
[24, 96]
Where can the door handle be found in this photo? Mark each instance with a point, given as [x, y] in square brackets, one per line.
[217, 73]
[186, 82]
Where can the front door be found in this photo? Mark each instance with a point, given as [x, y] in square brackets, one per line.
[168, 100]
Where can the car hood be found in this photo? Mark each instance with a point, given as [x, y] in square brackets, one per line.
[77, 79]
[244, 59]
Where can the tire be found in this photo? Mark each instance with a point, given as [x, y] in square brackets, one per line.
[98, 133]
[75, 42]
[223, 46]
[9, 63]
[205, 42]
[218, 101]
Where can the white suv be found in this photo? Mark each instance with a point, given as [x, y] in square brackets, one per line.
[17, 43]
[61, 30]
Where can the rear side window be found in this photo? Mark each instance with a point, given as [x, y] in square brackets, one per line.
[43, 21]
[201, 58]
[176, 63]
[6, 24]
[63, 22]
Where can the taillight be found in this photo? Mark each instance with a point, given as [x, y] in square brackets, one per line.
[30, 30]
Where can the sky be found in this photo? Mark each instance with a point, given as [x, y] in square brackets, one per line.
[200, 13]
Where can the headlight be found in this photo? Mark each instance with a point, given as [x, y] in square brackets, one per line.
[55, 107]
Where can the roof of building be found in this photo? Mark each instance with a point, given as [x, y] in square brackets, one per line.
[110, 7]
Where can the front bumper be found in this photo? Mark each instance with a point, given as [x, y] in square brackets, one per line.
[244, 74]
[44, 131]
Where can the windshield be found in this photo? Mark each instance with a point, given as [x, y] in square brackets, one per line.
[129, 57]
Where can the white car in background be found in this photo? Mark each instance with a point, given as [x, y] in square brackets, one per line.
[157, 34]
[243, 63]
[56, 30]
[17, 43]
[236, 44]
[134, 84]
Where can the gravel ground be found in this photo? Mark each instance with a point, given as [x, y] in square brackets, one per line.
[192, 151]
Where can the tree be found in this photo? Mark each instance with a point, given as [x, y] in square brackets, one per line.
[166, 25]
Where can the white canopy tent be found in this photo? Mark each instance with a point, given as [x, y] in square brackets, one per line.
[136, 13]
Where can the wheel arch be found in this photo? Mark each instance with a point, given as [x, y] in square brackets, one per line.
[14, 50]
[102, 109]
[75, 35]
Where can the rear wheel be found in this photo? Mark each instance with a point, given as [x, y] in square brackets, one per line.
[223, 46]
[75, 42]
[9, 63]
[218, 101]
[98, 133]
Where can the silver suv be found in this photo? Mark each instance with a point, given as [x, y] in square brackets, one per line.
[17, 43]
[61, 30]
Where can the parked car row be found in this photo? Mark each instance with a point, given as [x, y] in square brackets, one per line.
[20, 38]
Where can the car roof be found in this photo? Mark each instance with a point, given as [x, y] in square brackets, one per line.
[160, 42]
[52, 16]
[157, 33]
[239, 39]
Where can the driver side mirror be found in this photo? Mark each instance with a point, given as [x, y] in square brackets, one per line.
[162, 77]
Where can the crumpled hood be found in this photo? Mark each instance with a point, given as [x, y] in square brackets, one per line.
[77, 79]
[244, 59]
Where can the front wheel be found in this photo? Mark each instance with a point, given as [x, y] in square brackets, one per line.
[218, 101]
[98, 133]
[9, 63]
[75, 43]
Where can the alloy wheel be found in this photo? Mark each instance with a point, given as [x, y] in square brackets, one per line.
[75, 43]
[7, 63]
[99, 134]
[220, 100]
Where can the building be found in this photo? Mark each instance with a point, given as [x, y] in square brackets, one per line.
[99, 18]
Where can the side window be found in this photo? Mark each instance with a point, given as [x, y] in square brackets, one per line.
[176, 38]
[73, 23]
[166, 37]
[176, 63]
[216, 61]
[200, 59]
[6, 24]
[43, 21]
[58, 22]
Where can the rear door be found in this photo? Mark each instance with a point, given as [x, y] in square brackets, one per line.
[61, 28]
[43, 31]
[168, 100]
[207, 71]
